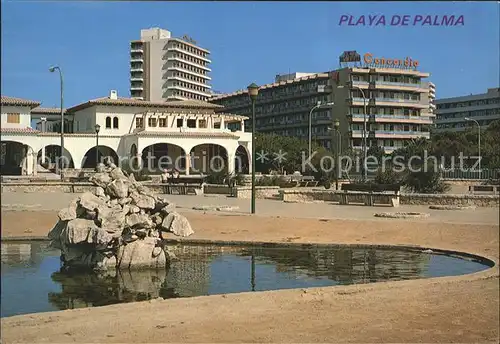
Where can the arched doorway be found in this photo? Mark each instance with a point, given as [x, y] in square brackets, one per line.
[50, 158]
[241, 160]
[160, 156]
[95, 155]
[209, 158]
[16, 159]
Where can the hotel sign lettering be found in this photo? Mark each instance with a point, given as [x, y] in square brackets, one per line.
[383, 62]
[350, 56]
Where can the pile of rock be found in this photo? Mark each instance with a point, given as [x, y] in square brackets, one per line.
[120, 224]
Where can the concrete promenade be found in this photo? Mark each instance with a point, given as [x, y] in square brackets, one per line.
[267, 208]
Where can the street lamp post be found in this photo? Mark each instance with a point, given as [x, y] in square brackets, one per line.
[317, 106]
[338, 144]
[97, 129]
[253, 92]
[52, 70]
[336, 126]
[478, 141]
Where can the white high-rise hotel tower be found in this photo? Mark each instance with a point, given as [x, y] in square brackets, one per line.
[163, 67]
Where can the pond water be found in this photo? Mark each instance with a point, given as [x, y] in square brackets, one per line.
[31, 280]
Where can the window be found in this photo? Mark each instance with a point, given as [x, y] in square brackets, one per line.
[217, 125]
[13, 118]
[202, 123]
[152, 122]
[180, 122]
[108, 122]
[162, 122]
[115, 123]
[191, 123]
[139, 122]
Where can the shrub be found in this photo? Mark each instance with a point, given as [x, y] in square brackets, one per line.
[425, 182]
[387, 176]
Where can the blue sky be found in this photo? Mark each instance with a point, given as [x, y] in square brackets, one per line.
[250, 42]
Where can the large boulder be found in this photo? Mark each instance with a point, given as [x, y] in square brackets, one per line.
[85, 231]
[100, 179]
[139, 221]
[141, 253]
[143, 201]
[90, 202]
[112, 220]
[69, 213]
[118, 188]
[177, 224]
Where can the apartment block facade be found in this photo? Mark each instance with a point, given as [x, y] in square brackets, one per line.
[484, 108]
[398, 106]
[163, 67]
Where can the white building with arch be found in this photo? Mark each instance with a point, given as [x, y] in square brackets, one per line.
[167, 134]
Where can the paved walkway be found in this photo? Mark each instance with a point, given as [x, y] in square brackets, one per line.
[56, 201]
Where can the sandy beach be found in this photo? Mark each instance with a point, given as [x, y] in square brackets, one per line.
[461, 309]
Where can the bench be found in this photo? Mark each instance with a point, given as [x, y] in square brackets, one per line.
[303, 181]
[488, 189]
[183, 185]
[308, 181]
[370, 194]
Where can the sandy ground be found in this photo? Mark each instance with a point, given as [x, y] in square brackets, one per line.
[452, 309]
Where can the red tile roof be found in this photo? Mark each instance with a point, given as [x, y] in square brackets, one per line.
[12, 101]
[47, 111]
[144, 103]
[26, 130]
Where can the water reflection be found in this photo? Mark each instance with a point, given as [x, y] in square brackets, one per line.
[33, 281]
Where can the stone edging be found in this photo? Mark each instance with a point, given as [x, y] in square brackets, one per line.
[451, 207]
[402, 215]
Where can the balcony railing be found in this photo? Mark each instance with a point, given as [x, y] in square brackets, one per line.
[202, 58]
[397, 100]
[178, 58]
[189, 81]
[402, 132]
[136, 69]
[398, 84]
[188, 72]
[360, 83]
[386, 116]
[361, 100]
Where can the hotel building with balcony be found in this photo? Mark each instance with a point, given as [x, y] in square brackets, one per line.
[484, 108]
[398, 103]
[166, 68]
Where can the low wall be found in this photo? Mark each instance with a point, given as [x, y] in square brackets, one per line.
[294, 195]
[65, 187]
[260, 191]
[448, 199]
[48, 187]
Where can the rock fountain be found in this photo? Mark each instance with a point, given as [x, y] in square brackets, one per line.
[118, 225]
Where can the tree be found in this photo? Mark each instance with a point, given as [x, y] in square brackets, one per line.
[283, 153]
[375, 156]
[490, 146]
[421, 171]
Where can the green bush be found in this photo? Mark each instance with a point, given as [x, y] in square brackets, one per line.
[425, 182]
[387, 176]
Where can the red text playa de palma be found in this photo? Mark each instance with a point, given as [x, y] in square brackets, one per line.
[402, 20]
